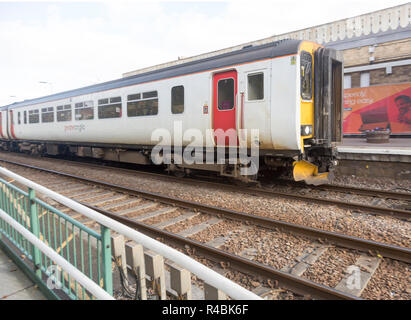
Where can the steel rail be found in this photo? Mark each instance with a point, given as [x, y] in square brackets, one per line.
[211, 277]
[331, 187]
[355, 190]
[351, 242]
[294, 283]
[396, 213]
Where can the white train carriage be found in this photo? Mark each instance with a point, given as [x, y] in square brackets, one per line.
[290, 90]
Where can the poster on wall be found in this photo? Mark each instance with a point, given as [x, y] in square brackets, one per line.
[385, 107]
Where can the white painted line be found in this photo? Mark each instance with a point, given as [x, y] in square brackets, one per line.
[370, 150]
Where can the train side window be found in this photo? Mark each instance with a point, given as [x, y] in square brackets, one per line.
[177, 99]
[25, 117]
[47, 114]
[84, 110]
[225, 94]
[255, 86]
[64, 113]
[34, 116]
[19, 118]
[109, 108]
[306, 75]
[150, 94]
[145, 104]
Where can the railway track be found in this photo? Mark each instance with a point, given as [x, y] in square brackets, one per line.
[395, 195]
[354, 190]
[135, 207]
[262, 191]
[293, 195]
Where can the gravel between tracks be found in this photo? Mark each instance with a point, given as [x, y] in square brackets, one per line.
[330, 267]
[377, 228]
[403, 185]
[354, 198]
[247, 281]
[276, 249]
[391, 281]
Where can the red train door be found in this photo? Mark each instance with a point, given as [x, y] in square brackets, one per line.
[224, 107]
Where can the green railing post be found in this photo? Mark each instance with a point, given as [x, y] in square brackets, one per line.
[35, 229]
[106, 259]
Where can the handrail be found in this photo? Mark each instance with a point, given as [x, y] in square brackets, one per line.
[213, 278]
[69, 219]
[57, 230]
[14, 187]
[87, 283]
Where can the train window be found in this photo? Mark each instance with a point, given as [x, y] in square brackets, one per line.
[115, 100]
[132, 97]
[306, 75]
[84, 110]
[25, 117]
[255, 86]
[151, 94]
[47, 114]
[177, 99]
[145, 106]
[64, 113]
[225, 94]
[34, 116]
[103, 101]
[18, 118]
[109, 108]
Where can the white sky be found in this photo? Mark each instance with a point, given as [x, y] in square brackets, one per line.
[73, 44]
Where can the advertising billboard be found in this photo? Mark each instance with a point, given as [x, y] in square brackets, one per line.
[386, 107]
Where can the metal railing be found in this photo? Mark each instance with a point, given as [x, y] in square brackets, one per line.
[81, 248]
[39, 245]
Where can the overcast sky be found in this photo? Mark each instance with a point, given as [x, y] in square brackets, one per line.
[78, 43]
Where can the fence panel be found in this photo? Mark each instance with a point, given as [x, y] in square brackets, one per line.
[84, 248]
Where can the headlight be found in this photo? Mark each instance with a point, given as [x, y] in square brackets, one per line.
[306, 130]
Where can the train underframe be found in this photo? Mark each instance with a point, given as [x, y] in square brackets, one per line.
[315, 166]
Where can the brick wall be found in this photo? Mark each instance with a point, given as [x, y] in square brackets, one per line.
[388, 51]
[394, 50]
[356, 57]
[399, 74]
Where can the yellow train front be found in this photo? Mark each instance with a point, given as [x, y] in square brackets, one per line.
[321, 74]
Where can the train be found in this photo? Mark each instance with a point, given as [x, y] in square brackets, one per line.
[290, 91]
